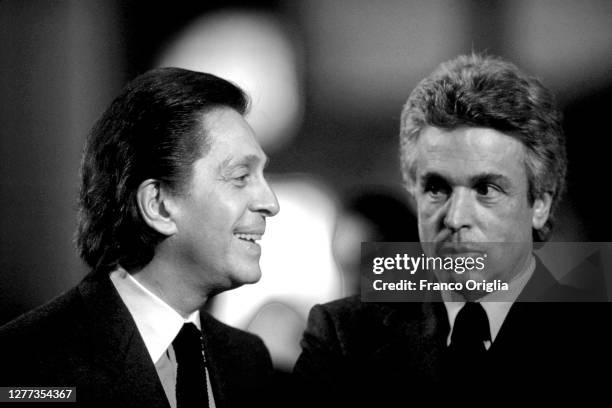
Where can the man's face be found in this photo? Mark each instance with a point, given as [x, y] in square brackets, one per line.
[223, 212]
[471, 189]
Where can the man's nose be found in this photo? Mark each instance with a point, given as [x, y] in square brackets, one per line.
[459, 210]
[265, 200]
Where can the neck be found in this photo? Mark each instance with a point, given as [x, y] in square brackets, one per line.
[172, 286]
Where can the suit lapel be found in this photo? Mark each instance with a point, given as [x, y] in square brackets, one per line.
[530, 313]
[416, 338]
[128, 375]
[541, 286]
[218, 351]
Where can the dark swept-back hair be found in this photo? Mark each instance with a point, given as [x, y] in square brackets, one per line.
[484, 91]
[152, 130]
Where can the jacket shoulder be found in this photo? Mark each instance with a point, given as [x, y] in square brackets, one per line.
[352, 312]
[49, 318]
[46, 343]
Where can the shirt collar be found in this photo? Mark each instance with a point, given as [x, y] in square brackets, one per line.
[496, 304]
[157, 322]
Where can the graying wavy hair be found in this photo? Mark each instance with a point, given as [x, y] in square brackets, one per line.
[483, 91]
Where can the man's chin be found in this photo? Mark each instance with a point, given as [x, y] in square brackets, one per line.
[478, 276]
[246, 277]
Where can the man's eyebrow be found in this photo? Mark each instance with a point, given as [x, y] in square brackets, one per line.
[247, 160]
[432, 175]
[489, 178]
[474, 180]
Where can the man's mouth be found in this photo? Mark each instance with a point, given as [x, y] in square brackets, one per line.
[252, 238]
[460, 249]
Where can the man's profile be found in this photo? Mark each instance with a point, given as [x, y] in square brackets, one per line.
[483, 155]
[173, 201]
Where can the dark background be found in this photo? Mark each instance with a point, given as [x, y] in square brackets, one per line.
[62, 62]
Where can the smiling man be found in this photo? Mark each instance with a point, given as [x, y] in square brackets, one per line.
[483, 156]
[173, 201]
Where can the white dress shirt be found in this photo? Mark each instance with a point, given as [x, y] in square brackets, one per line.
[158, 324]
[496, 304]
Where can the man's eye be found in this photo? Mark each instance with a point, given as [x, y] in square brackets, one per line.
[241, 179]
[436, 189]
[487, 190]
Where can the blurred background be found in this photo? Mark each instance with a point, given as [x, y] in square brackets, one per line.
[327, 80]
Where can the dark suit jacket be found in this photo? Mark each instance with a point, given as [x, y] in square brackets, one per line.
[88, 339]
[375, 354]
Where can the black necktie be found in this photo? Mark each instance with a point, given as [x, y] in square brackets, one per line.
[467, 365]
[191, 390]
[470, 331]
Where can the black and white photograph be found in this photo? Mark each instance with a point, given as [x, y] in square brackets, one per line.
[305, 203]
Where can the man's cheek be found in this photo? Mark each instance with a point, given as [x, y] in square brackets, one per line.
[428, 214]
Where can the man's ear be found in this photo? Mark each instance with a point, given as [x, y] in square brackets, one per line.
[541, 210]
[153, 205]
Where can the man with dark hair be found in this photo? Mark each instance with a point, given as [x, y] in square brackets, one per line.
[483, 156]
[172, 202]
